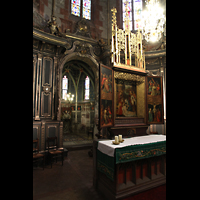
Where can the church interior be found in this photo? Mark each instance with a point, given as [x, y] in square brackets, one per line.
[99, 99]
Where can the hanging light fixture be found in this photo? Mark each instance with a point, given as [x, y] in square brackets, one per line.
[153, 21]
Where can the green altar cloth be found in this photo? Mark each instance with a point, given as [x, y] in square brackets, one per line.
[106, 164]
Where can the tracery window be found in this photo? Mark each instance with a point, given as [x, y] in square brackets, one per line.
[81, 7]
[129, 12]
[75, 7]
[137, 12]
[87, 88]
[87, 9]
[134, 12]
[64, 87]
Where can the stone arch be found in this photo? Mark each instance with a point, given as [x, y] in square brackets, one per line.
[90, 61]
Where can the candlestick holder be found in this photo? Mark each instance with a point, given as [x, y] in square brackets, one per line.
[116, 143]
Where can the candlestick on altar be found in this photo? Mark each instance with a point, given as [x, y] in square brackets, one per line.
[116, 139]
[120, 138]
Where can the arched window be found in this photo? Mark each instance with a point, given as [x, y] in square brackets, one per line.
[75, 7]
[129, 12]
[87, 9]
[64, 87]
[87, 88]
[134, 11]
[137, 5]
[81, 8]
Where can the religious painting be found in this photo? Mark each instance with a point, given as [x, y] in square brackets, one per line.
[106, 96]
[106, 113]
[154, 94]
[154, 113]
[126, 99]
[106, 83]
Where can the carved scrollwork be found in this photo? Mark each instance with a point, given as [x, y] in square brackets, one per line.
[131, 77]
[82, 48]
[46, 88]
[83, 28]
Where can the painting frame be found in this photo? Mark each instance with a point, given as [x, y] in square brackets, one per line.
[154, 100]
[106, 96]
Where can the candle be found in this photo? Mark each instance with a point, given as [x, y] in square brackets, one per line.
[116, 139]
[120, 138]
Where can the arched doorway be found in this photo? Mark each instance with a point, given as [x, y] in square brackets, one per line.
[78, 80]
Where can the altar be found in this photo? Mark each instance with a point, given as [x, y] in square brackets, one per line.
[130, 100]
[136, 165]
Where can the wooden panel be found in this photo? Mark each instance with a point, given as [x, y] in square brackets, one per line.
[47, 71]
[129, 174]
[34, 82]
[37, 132]
[38, 87]
[144, 170]
[138, 172]
[159, 167]
[46, 105]
[153, 167]
[121, 176]
[51, 130]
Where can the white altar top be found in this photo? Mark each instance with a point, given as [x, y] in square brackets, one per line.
[108, 148]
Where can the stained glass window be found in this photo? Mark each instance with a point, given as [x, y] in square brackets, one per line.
[136, 12]
[137, 5]
[87, 9]
[129, 12]
[64, 87]
[75, 7]
[87, 88]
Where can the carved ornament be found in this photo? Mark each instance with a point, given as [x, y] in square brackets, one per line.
[130, 77]
[46, 88]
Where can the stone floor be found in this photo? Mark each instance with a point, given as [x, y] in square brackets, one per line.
[72, 181]
[76, 138]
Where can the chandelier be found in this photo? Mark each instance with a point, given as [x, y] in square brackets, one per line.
[153, 21]
[69, 98]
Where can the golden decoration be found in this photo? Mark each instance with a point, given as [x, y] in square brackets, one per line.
[128, 42]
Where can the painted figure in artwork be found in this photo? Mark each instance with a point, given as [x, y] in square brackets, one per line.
[126, 99]
[154, 87]
[106, 84]
[120, 105]
[154, 112]
[158, 89]
[109, 115]
[150, 115]
[153, 92]
[125, 107]
[150, 87]
[158, 115]
[132, 99]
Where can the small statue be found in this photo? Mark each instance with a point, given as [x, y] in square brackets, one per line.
[102, 44]
[53, 26]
